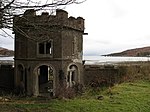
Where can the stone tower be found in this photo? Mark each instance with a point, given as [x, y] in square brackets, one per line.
[48, 52]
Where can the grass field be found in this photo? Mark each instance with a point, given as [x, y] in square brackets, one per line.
[125, 97]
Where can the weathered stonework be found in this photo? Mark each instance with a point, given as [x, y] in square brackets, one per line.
[48, 51]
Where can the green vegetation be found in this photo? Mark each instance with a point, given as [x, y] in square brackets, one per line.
[125, 97]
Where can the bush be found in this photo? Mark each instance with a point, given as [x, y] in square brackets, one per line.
[69, 92]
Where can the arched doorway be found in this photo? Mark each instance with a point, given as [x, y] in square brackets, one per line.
[45, 79]
[72, 76]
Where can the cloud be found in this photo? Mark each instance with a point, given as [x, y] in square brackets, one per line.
[115, 8]
[6, 41]
[112, 25]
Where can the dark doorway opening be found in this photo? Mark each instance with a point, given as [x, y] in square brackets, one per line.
[46, 79]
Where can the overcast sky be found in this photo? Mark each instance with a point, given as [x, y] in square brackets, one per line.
[112, 25]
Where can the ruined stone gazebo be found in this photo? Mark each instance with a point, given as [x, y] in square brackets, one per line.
[48, 52]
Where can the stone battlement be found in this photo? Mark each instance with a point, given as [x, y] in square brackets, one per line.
[61, 19]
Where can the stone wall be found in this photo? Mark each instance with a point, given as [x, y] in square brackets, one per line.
[100, 75]
[6, 76]
[94, 75]
[108, 75]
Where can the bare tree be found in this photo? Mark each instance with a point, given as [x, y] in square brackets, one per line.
[9, 8]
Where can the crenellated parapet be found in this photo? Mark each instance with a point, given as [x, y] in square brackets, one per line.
[61, 19]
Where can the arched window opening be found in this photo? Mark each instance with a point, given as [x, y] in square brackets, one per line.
[72, 76]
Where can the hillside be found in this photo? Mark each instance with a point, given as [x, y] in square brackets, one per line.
[6, 52]
[137, 52]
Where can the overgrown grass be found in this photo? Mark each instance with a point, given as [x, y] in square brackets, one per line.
[125, 97]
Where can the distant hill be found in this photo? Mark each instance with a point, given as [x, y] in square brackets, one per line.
[6, 52]
[137, 52]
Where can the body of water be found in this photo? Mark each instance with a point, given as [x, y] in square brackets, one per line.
[7, 58]
[99, 59]
[110, 59]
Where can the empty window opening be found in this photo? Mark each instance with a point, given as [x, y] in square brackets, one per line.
[48, 48]
[41, 48]
[73, 76]
[45, 47]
